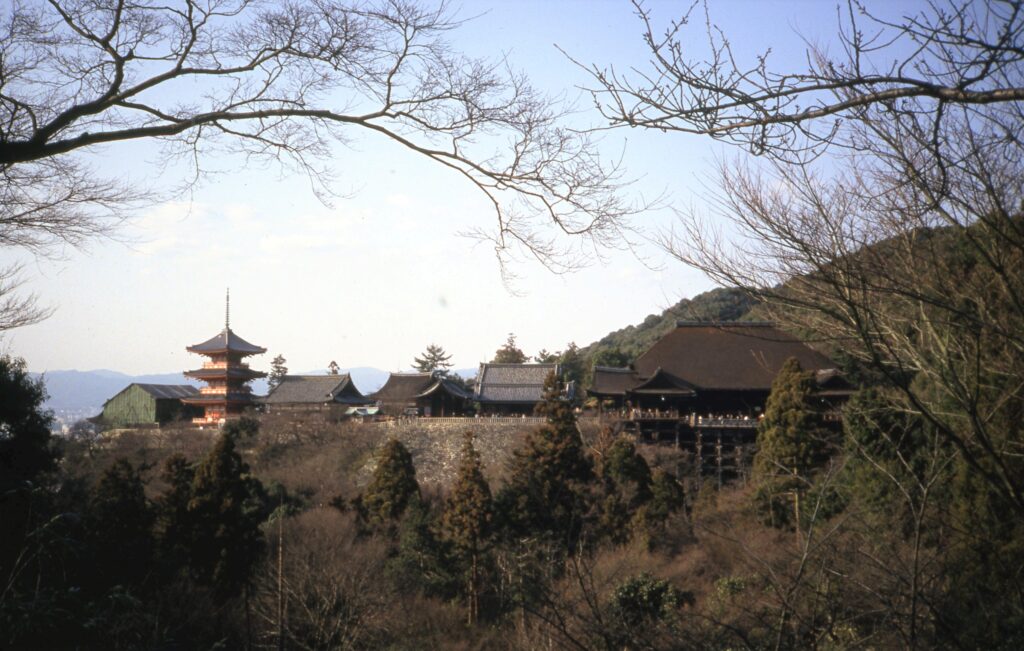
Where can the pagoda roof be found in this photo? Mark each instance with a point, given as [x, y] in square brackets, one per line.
[226, 341]
[219, 399]
[236, 372]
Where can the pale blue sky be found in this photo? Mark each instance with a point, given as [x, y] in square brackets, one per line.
[375, 278]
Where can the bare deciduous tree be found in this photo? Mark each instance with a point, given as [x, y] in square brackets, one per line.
[279, 82]
[904, 245]
[955, 52]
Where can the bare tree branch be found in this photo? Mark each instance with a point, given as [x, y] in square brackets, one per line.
[281, 82]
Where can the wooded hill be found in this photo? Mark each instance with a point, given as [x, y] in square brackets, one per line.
[622, 346]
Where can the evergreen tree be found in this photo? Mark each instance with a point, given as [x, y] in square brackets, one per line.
[225, 512]
[572, 364]
[791, 443]
[119, 527]
[26, 456]
[333, 368]
[173, 528]
[667, 497]
[547, 357]
[467, 520]
[434, 360]
[626, 482]
[25, 450]
[546, 492]
[422, 560]
[277, 371]
[613, 357]
[392, 488]
[509, 353]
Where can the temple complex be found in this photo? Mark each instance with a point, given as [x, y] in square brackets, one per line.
[227, 377]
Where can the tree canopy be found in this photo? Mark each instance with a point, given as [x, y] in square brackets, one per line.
[282, 83]
[510, 353]
[433, 360]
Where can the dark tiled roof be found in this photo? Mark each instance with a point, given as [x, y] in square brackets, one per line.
[522, 383]
[662, 383]
[611, 381]
[233, 372]
[315, 389]
[161, 391]
[403, 388]
[215, 399]
[728, 356]
[446, 386]
[226, 340]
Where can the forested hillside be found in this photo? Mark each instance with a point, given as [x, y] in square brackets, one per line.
[619, 348]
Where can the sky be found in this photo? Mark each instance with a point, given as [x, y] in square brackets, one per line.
[375, 277]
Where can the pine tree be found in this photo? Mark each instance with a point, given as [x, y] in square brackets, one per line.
[547, 357]
[333, 368]
[119, 527]
[173, 528]
[509, 353]
[434, 360]
[25, 450]
[667, 496]
[278, 371]
[26, 457]
[392, 488]
[626, 480]
[791, 443]
[572, 363]
[225, 512]
[546, 493]
[467, 520]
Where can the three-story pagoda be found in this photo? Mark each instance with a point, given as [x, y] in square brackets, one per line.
[227, 377]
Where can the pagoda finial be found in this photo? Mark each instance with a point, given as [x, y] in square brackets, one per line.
[227, 309]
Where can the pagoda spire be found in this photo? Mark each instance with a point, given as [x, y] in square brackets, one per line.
[227, 310]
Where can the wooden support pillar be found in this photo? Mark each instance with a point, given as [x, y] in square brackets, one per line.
[718, 457]
[698, 449]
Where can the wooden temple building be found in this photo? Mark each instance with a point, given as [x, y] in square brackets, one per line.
[227, 393]
[422, 394]
[148, 405]
[705, 385]
[514, 389]
[329, 395]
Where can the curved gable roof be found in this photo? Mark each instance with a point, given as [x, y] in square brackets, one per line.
[315, 389]
[403, 387]
[612, 381]
[730, 356]
[226, 341]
